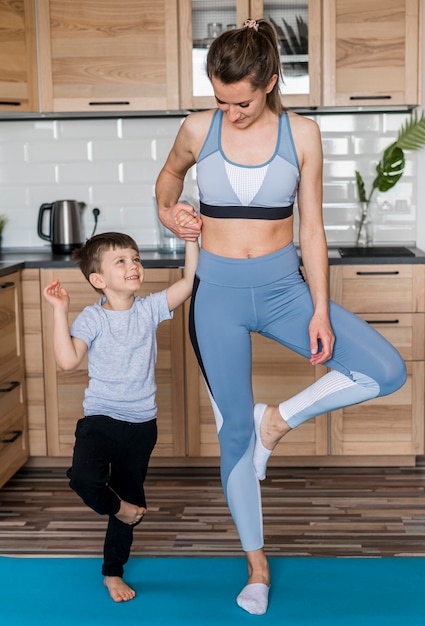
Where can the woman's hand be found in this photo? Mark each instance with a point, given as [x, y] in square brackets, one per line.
[183, 221]
[322, 339]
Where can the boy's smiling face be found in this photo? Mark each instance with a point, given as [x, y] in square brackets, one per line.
[122, 271]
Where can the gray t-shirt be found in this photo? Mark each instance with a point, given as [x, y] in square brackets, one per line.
[122, 353]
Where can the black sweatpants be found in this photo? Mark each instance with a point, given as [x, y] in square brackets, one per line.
[109, 464]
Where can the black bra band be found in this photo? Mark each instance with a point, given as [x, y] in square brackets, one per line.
[246, 212]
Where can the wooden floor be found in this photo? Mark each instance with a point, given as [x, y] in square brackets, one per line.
[307, 512]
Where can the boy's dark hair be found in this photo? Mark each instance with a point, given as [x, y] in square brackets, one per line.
[89, 256]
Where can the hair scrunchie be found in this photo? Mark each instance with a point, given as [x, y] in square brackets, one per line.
[251, 24]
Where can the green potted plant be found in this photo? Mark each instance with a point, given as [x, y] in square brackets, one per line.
[390, 168]
[3, 222]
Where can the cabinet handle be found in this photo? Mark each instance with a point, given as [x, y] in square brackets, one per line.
[394, 273]
[100, 104]
[383, 321]
[14, 435]
[370, 97]
[6, 285]
[10, 104]
[13, 385]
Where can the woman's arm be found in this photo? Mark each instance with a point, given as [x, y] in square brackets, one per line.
[180, 291]
[69, 351]
[312, 237]
[169, 184]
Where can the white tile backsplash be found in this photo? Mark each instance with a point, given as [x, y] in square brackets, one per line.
[112, 164]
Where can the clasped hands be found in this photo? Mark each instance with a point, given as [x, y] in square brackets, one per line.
[185, 222]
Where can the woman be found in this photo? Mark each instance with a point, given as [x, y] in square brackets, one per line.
[253, 158]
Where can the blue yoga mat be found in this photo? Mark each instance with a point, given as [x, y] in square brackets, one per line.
[202, 591]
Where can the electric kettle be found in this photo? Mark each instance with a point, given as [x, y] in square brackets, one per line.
[65, 230]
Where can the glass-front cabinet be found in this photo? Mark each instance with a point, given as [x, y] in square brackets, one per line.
[298, 27]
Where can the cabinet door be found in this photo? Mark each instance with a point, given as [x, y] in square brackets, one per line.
[34, 372]
[387, 427]
[64, 391]
[108, 56]
[371, 52]
[277, 373]
[13, 422]
[11, 348]
[18, 57]
[298, 28]
[389, 298]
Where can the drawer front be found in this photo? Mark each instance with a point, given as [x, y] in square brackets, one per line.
[13, 447]
[378, 288]
[9, 331]
[404, 330]
[11, 431]
[11, 396]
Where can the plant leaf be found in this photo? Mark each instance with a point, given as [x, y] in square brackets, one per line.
[411, 135]
[389, 169]
[360, 187]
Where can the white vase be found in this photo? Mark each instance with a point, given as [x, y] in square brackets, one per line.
[364, 225]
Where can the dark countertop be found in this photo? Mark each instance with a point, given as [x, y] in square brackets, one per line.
[14, 259]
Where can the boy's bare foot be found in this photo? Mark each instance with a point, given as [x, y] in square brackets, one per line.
[118, 589]
[130, 513]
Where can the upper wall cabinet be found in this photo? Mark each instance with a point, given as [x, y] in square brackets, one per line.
[18, 56]
[104, 55]
[298, 26]
[371, 52]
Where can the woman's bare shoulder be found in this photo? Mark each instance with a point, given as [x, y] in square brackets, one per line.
[307, 138]
[198, 121]
[302, 125]
[195, 128]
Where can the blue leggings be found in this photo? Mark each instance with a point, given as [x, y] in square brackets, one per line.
[267, 295]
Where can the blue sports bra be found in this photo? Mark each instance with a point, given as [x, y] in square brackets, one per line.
[230, 190]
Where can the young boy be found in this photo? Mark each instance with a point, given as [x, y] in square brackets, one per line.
[117, 434]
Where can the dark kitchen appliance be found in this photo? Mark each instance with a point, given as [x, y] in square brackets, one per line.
[375, 251]
[65, 230]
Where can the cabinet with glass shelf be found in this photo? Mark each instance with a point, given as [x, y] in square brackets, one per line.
[298, 26]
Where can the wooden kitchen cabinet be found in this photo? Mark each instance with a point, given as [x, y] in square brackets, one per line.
[34, 367]
[64, 391]
[18, 57]
[391, 299]
[371, 52]
[277, 373]
[100, 55]
[13, 421]
[384, 431]
[302, 71]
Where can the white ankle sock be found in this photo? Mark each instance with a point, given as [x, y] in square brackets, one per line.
[261, 453]
[254, 598]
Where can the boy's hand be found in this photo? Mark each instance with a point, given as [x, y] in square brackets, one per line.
[56, 295]
[187, 217]
[184, 222]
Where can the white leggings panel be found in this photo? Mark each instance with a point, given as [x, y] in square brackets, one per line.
[333, 391]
